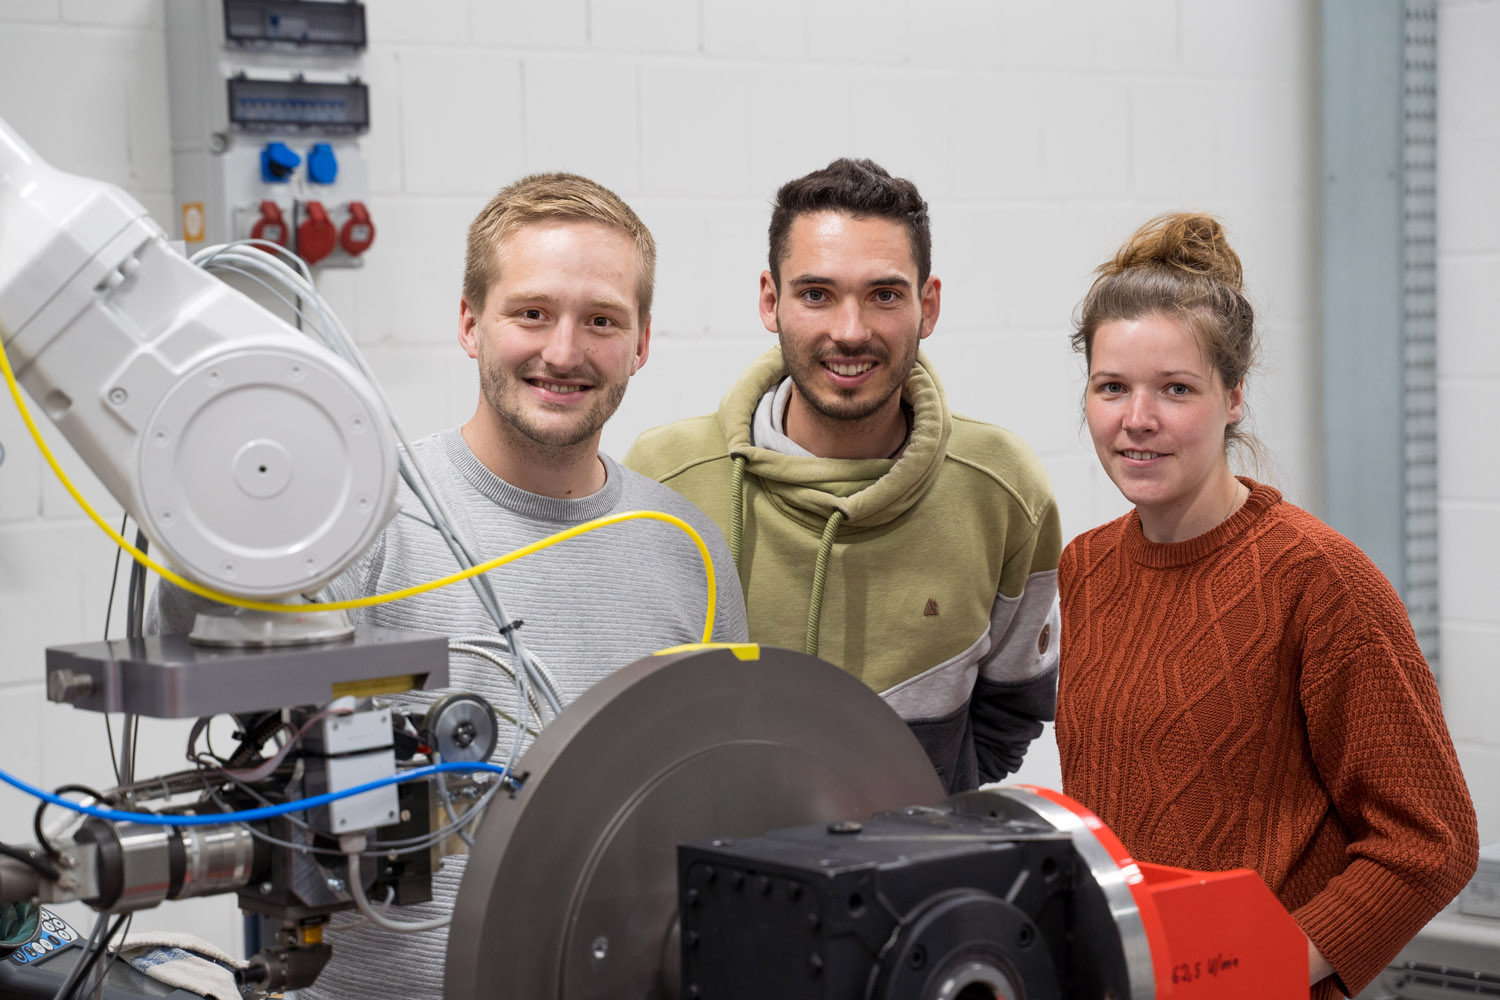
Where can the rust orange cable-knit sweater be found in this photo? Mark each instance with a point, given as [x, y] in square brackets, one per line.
[1254, 697]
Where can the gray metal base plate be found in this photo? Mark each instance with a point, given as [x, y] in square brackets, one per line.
[167, 677]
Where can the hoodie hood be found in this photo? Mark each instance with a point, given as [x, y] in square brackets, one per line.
[868, 492]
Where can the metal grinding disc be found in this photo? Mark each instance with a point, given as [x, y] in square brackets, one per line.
[571, 886]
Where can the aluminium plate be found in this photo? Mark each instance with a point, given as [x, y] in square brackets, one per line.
[168, 677]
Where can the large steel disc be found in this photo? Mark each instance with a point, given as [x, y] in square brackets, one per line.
[571, 886]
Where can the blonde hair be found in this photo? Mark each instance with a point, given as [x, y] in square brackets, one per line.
[1180, 264]
[552, 197]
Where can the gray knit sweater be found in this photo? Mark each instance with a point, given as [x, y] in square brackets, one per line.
[590, 605]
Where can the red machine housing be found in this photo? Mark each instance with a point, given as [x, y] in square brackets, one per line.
[1212, 935]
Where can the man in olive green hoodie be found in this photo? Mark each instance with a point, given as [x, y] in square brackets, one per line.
[914, 548]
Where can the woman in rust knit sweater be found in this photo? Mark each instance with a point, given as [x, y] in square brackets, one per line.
[1240, 686]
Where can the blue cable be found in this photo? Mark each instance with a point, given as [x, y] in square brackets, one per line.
[248, 815]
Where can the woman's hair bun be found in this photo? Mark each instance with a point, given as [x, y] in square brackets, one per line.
[1184, 241]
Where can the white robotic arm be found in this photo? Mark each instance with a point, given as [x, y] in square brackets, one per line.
[256, 460]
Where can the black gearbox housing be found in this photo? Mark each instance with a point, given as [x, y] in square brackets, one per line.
[897, 907]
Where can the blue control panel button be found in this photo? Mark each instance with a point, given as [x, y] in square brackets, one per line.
[277, 161]
[322, 165]
[52, 935]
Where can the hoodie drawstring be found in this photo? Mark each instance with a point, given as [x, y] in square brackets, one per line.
[820, 574]
[736, 507]
[820, 568]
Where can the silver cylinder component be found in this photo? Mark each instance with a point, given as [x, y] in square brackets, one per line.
[138, 865]
[145, 861]
[215, 859]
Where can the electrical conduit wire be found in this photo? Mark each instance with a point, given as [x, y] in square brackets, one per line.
[352, 845]
[486, 648]
[85, 960]
[247, 815]
[377, 847]
[525, 696]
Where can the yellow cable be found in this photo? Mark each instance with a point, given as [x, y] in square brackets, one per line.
[361, 602]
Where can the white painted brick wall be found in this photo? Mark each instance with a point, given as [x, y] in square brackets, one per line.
[582, 115]
[1041, 133]
[771, 29]
[1468, 384]
[644, 26]
[461, 119]
[516, 24]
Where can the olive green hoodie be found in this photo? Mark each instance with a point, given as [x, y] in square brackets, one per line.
[931, 576]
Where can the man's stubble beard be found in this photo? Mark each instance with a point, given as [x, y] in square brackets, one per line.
[842, 407]
[500, 388]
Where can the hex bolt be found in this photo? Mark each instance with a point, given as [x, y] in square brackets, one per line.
[69, 685]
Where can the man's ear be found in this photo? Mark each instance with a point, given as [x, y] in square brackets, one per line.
[932, 301]
[642, 348]
[468, 334]
[768, 301]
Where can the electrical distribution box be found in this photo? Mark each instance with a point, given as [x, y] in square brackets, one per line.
[268, 106]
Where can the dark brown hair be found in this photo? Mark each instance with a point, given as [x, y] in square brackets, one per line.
[861, 188]
[1179, 264]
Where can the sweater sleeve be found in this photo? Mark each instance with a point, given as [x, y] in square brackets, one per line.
[1016, 690]
[1377, 735]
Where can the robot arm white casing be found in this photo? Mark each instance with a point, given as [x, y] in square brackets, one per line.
[256, 460]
